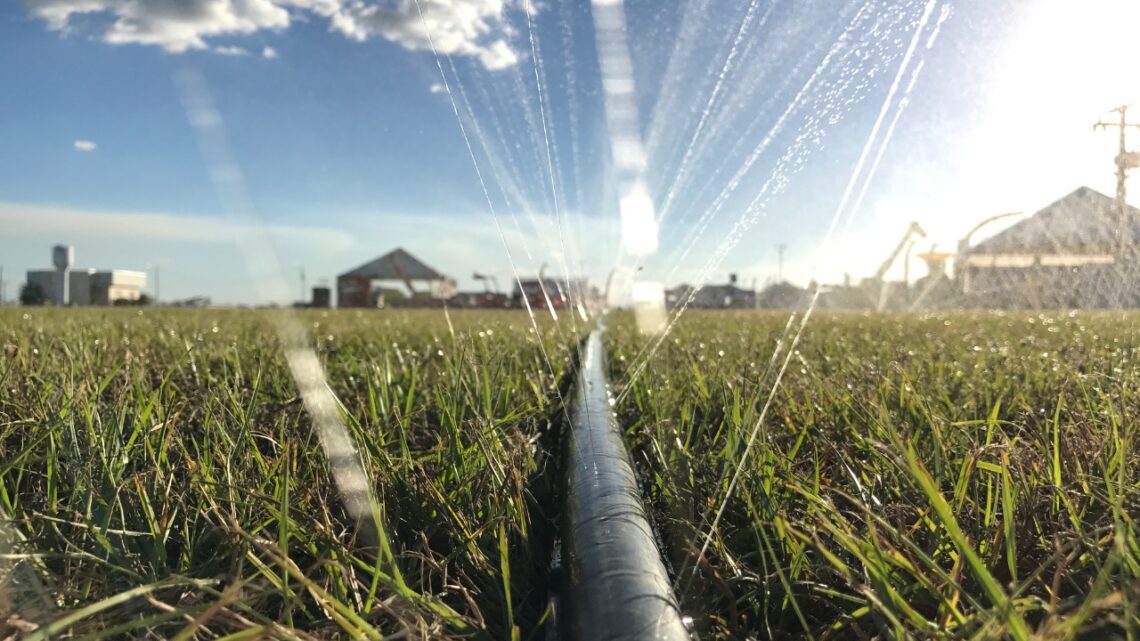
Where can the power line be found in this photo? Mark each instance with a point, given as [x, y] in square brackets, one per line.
[1125, 160]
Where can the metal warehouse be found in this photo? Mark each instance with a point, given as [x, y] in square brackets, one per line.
[364, 286]
[1079, 251]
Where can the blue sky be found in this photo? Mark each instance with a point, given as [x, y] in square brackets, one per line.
[336, 118]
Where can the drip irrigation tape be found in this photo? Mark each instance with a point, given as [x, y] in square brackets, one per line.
[616, 584]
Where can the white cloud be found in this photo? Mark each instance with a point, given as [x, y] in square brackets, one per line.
[85, 145]
[57, 13]
[460, 27]
[230, 50]
[175, 25]
[475, 28]
[498, 55]
[28, 221]
[436, 87]
[269, 53]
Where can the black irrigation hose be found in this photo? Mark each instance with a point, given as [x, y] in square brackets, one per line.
[616, 584]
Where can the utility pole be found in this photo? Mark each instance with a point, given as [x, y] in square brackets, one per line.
[302, 299]
[1125, 160]
[780, 248]
[156, 289]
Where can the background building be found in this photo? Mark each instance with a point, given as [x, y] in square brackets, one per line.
[1076, 252]
[66, 285]
[727, 296]
[370, 285]
[322, 297]
[536, 292]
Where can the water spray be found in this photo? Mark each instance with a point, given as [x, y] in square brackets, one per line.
[639, 228]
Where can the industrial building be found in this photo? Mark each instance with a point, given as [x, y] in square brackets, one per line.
[370, 284]
[1076, 252]
[728, 296]
[1081, 251]
[536, 292]
[67, 285]
[322, 297]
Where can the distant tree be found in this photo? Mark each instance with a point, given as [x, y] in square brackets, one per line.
[143, 299]
[32, 294]
[782, 295]
[195, 301]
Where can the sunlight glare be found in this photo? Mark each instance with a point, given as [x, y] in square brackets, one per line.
[638, 222]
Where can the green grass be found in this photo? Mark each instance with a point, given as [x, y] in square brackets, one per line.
[159, 475]
[965, 476]
[943, 476]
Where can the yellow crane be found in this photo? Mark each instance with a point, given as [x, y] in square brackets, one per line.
[911, 232]
[868, 285]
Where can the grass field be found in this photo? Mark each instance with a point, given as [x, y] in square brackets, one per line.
[159, 473]
[959, 476]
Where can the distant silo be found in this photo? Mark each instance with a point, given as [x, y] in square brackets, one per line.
[322, 297]
[62, 256]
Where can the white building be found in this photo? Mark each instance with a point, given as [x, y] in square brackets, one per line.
[67, 285]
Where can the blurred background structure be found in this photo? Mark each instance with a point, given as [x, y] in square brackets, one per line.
[377, 282]
[67, 285]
